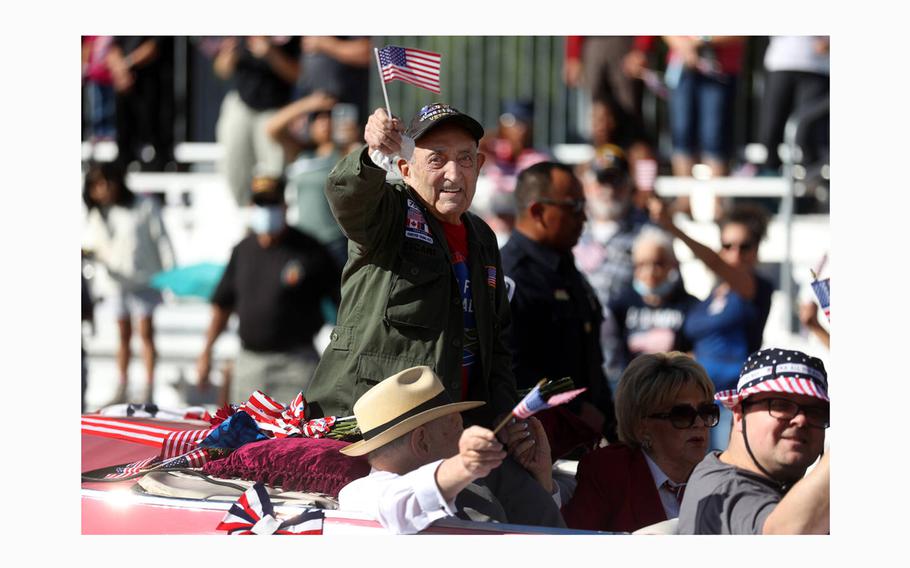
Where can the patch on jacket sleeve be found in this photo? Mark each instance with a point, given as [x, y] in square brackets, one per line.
[416, 226]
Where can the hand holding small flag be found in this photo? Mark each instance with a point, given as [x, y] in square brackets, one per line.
[546, 394]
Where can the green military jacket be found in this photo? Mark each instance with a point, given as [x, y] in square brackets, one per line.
[400, 301]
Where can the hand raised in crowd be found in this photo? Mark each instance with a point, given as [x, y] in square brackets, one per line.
[382, 133]
[258, 45]
[660, 212]
[479, 452]
[313, 44]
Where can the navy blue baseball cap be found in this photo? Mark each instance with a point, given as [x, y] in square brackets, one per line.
[432, 115]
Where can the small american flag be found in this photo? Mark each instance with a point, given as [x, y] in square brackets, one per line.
[822, 289]
[533, 402]
[414, 66]
[491, 276]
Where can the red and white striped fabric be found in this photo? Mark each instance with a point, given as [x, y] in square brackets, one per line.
[178, 443]
[790, 385]
[126, 430]
[778, 371]
[171, 441]
[133, 468]
[273, 418]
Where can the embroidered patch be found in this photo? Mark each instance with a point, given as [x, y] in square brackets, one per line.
[416, 226]
[491, 276]
[292, 273]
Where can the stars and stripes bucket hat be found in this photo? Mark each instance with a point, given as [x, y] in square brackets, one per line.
[781, 371]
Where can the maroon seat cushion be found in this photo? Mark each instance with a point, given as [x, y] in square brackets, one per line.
[294, 464]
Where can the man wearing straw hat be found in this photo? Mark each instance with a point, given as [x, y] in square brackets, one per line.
[423, 284]
[424, 462]
[758, 484]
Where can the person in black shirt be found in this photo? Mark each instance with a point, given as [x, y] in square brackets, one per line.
[648, 316]
[556, 316]
[264, 70]
[275, 280]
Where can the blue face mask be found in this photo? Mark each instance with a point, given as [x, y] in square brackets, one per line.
[267, 220]
[661, 289]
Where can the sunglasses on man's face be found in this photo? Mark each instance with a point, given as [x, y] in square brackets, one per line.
[742, 247]
[683, 416]
[574, 205]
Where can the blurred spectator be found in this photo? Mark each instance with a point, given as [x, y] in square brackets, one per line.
[88, 315]
[317, 148]
[604, 251]
[96, 75]
[664, 409]
[126, 235]
[702, 72]
[798, 77]
[556, 317]
[729, 323]
[275, 280]
[264, 70]
[338, 67]
[808, 317]
[142, 69]
[595, 63]
[508, 152]
[649, 315]
[512, 149]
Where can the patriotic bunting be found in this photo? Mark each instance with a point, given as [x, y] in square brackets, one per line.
[253, 513]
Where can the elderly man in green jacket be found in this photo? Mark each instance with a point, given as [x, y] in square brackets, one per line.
[424, 283]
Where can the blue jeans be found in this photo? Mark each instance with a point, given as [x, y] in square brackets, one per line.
[701, 114]
[101, 98]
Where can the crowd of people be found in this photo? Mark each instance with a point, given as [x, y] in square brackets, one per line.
[443, 306]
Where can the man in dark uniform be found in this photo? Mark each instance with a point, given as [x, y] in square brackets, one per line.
[275, 280]
[555, 313]
[423, 284]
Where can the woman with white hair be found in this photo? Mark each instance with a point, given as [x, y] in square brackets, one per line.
[648, 316]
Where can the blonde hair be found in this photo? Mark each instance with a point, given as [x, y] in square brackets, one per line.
[650, 382]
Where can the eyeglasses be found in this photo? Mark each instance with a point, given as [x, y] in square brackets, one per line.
[783, 409]
[742, 247]
[575, 205]
[683, 416]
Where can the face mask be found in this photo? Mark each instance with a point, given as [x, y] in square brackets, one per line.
[267, 220]
[661, 289]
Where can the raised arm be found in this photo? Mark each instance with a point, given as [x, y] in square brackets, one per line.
[354, 52]
[356, 188]
[740, 280]
[806, 508]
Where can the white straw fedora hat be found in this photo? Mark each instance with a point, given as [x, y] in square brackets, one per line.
[400, 404]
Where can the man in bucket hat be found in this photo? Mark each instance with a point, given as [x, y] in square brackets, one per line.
[757, 485]
[424, 462]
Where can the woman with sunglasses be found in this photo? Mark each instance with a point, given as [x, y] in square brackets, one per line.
[664, 409]
[729, 323]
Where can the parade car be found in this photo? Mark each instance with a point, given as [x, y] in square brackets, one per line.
[127, 488]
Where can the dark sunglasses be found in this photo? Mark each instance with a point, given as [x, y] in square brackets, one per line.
[742, 247]
[575, 205]
[683, 416]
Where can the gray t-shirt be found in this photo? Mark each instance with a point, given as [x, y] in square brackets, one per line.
[722, 499]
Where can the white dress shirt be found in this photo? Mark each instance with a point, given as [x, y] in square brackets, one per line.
[404, 504]
[667, 497]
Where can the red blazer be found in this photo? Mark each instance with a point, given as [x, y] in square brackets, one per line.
[615, 492]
